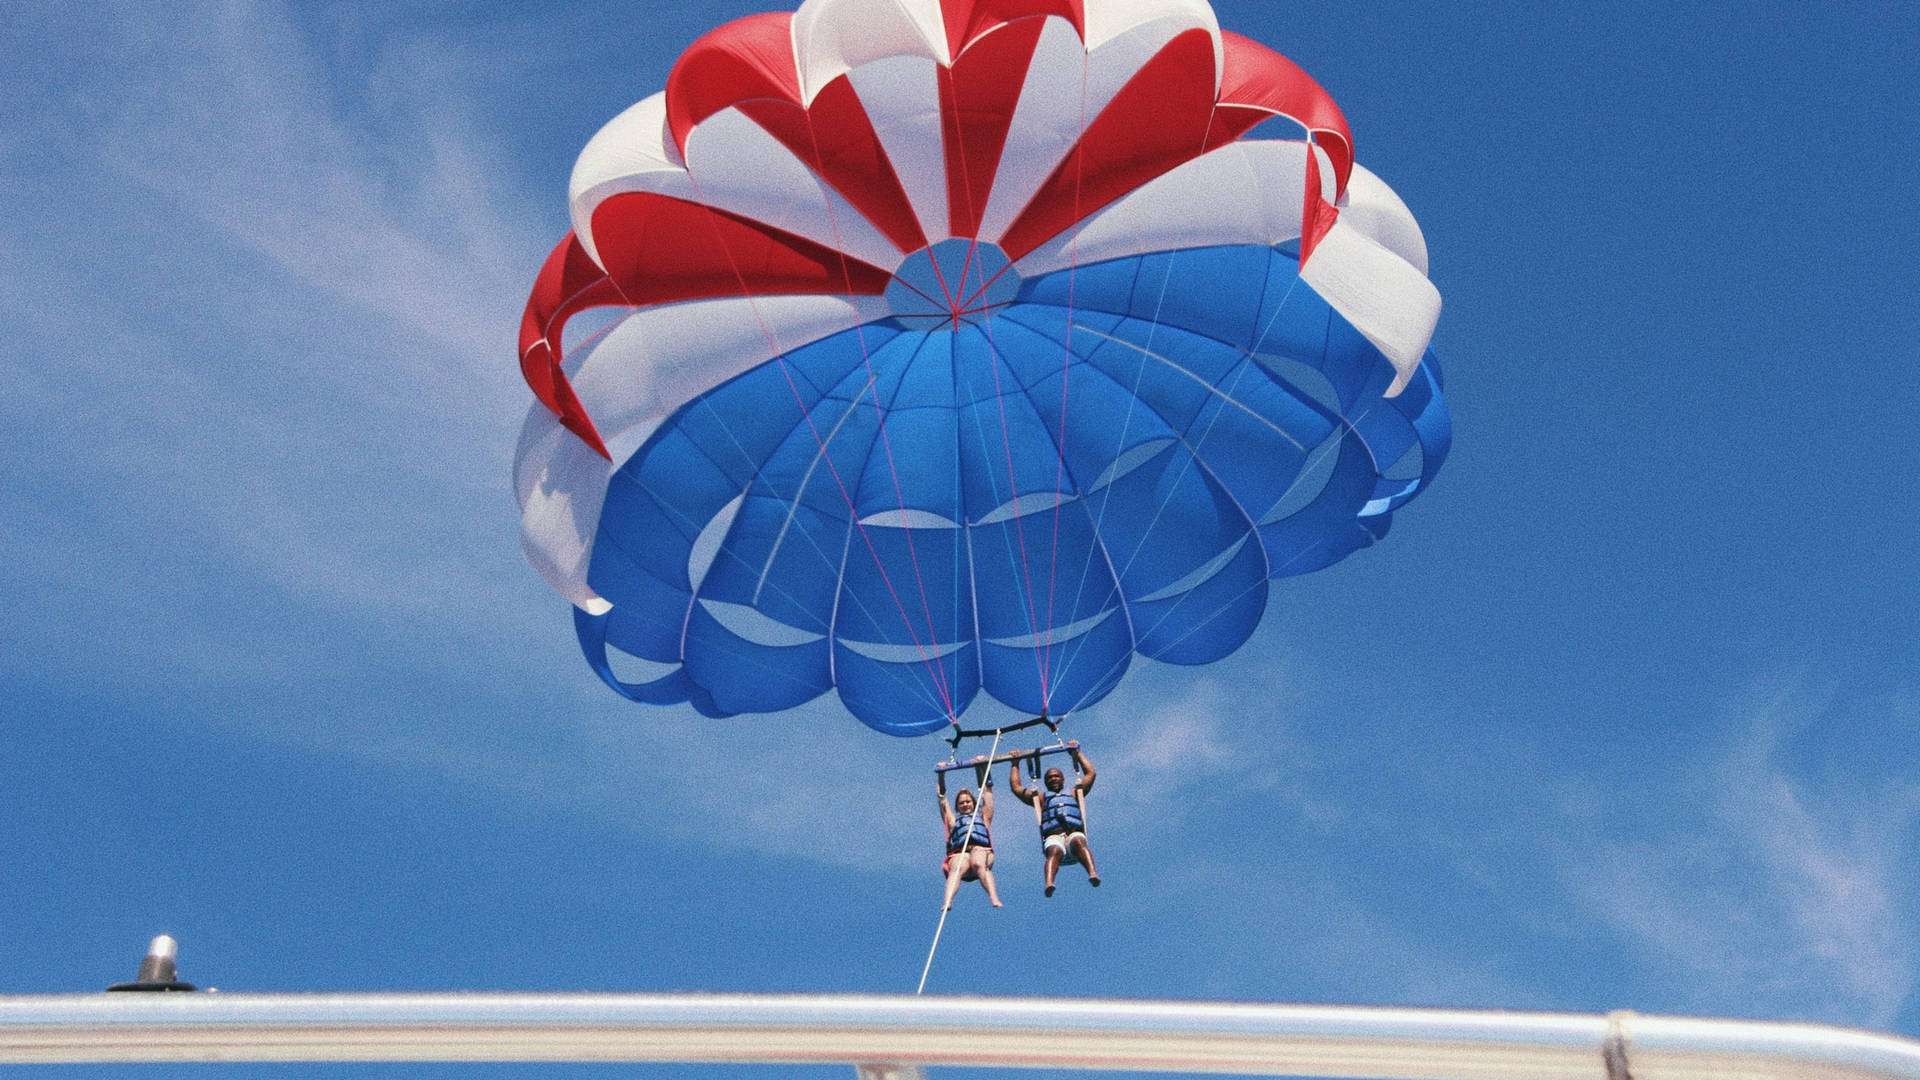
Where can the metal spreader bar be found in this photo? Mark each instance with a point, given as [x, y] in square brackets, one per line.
[1001, 759]
[960, 733]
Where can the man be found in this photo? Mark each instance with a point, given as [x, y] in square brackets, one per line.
[969, 840]
[1063, 827]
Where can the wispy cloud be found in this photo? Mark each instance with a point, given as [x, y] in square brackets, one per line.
[1770, 893]
[264, 307]
[234, 117]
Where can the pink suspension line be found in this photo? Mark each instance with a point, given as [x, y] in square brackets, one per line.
[853, 513]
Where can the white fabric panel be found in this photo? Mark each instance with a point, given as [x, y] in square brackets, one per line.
[1047, 121]
[561, 484]
[832, 37]
[1109, 20]
[633, 152]
[902, 97]
[1066, 88]
[737, 166]
[1381, 294]
[637, 374]
[1374, 208]
[1240, 193]
[660, 358]
[1370, 266]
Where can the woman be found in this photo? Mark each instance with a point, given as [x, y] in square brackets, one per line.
[969, 840]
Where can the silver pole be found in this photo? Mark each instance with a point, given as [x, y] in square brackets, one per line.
[904, 1033]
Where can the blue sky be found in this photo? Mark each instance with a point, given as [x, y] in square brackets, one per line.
[1623, 713]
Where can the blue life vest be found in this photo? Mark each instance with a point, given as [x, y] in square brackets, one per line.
[1060, 812]
[965, 827]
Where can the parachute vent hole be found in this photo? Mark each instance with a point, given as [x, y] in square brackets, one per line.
[1309, 484]
[584, 329]
[1303, 380]
[1282, 128]
[629, 668]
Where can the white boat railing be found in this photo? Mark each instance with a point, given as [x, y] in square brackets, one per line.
[892, 1038]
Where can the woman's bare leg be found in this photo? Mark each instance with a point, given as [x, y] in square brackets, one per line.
[1085, 853]
[983, 869]
[958, 871]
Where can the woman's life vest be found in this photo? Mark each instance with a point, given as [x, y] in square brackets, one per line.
[968, 832]
[1060, 812]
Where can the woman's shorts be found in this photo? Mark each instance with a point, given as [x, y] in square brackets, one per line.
[972, 874]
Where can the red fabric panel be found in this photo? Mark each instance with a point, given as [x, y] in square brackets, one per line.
[569, 283]
[1159, 120]
[1317, 215]
[977, 99]
[967, 20]
[659, 249]
[742, 60]
[1259, 78]
[837, 141]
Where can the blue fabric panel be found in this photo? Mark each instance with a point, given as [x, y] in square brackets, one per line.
[901, 587]
[740, 424]
[1165, 520]
[1426, 412]
[1324, 531]
[915, 466]
[746, 677]
[783, 560]
[1039, 571]
[649, 613]
[1104, 419]
[902, 698]
[1215, 292]
[1357, 370]
[1079, 671]
[1004, 448]
[1210, 620]
[1293, 318]
[843, 425]
[1012, 676]
[1154, 359]
[819, 366]
[1104, 286]
[591, 630]
[656, 534]
[927, 382]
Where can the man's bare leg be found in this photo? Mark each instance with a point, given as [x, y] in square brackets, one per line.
[1086, 859]
[1053, 867]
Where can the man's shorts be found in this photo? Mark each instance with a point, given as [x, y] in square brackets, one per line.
[1060, 842]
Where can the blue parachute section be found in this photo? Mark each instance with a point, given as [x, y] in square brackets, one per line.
[1102, 463]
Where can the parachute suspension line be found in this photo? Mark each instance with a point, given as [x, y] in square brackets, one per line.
[999, 395]
[1319, 455]
[1193, 445]
[1153, 327]
[1066, 368]
[917, 689]
[937, 671]
[962, 853]
[853, 514]
[1019, 526]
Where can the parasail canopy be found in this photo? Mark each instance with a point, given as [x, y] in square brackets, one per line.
[966, 346]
